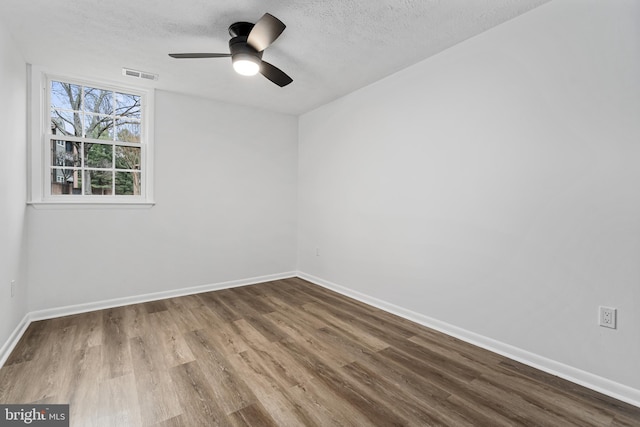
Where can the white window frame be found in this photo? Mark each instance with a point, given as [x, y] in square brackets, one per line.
[39, 179]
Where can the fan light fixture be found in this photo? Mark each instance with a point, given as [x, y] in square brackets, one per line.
[246, 66]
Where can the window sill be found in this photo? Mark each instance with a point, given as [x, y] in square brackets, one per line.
[72, 204]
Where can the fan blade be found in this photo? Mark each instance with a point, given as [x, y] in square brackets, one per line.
[275, 74]
[199, 55]
[265, 31]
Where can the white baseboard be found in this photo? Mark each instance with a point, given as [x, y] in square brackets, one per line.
[594, 382]
[13, 339]
[136, 299]
[50, 313]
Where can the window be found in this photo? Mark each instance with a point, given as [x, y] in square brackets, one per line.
[96, 144]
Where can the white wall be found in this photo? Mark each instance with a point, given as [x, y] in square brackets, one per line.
[225, 191]
[13, 172]
[494, 186]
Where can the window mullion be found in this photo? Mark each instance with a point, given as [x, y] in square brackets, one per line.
[113, 146]
[113, 164]
[82, 166]
[81, 112]
[72, 138]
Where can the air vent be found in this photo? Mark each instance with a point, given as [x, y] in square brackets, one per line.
[139, 74]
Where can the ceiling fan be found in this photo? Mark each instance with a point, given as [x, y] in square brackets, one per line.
[248, 42]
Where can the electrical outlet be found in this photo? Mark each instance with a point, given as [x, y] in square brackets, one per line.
[608, 317]
[13, 288]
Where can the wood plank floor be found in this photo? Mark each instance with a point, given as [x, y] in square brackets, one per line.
[284, 353]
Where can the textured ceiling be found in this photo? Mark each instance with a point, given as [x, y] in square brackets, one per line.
[330, 47]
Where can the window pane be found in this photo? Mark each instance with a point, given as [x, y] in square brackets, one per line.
[65, 95]
[66, 123]
[98, 155]
[127, 131]
[128, 105]
[98, 182]
[127, 158]
[106, 159]
[128, 183]
[66, 181]
[98, 127]
[98, 101]
[65, 153]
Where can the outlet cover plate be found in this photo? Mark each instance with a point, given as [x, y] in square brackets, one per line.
[608, 317]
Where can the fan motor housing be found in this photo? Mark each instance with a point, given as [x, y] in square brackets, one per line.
[238, 47]
[239, 32]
